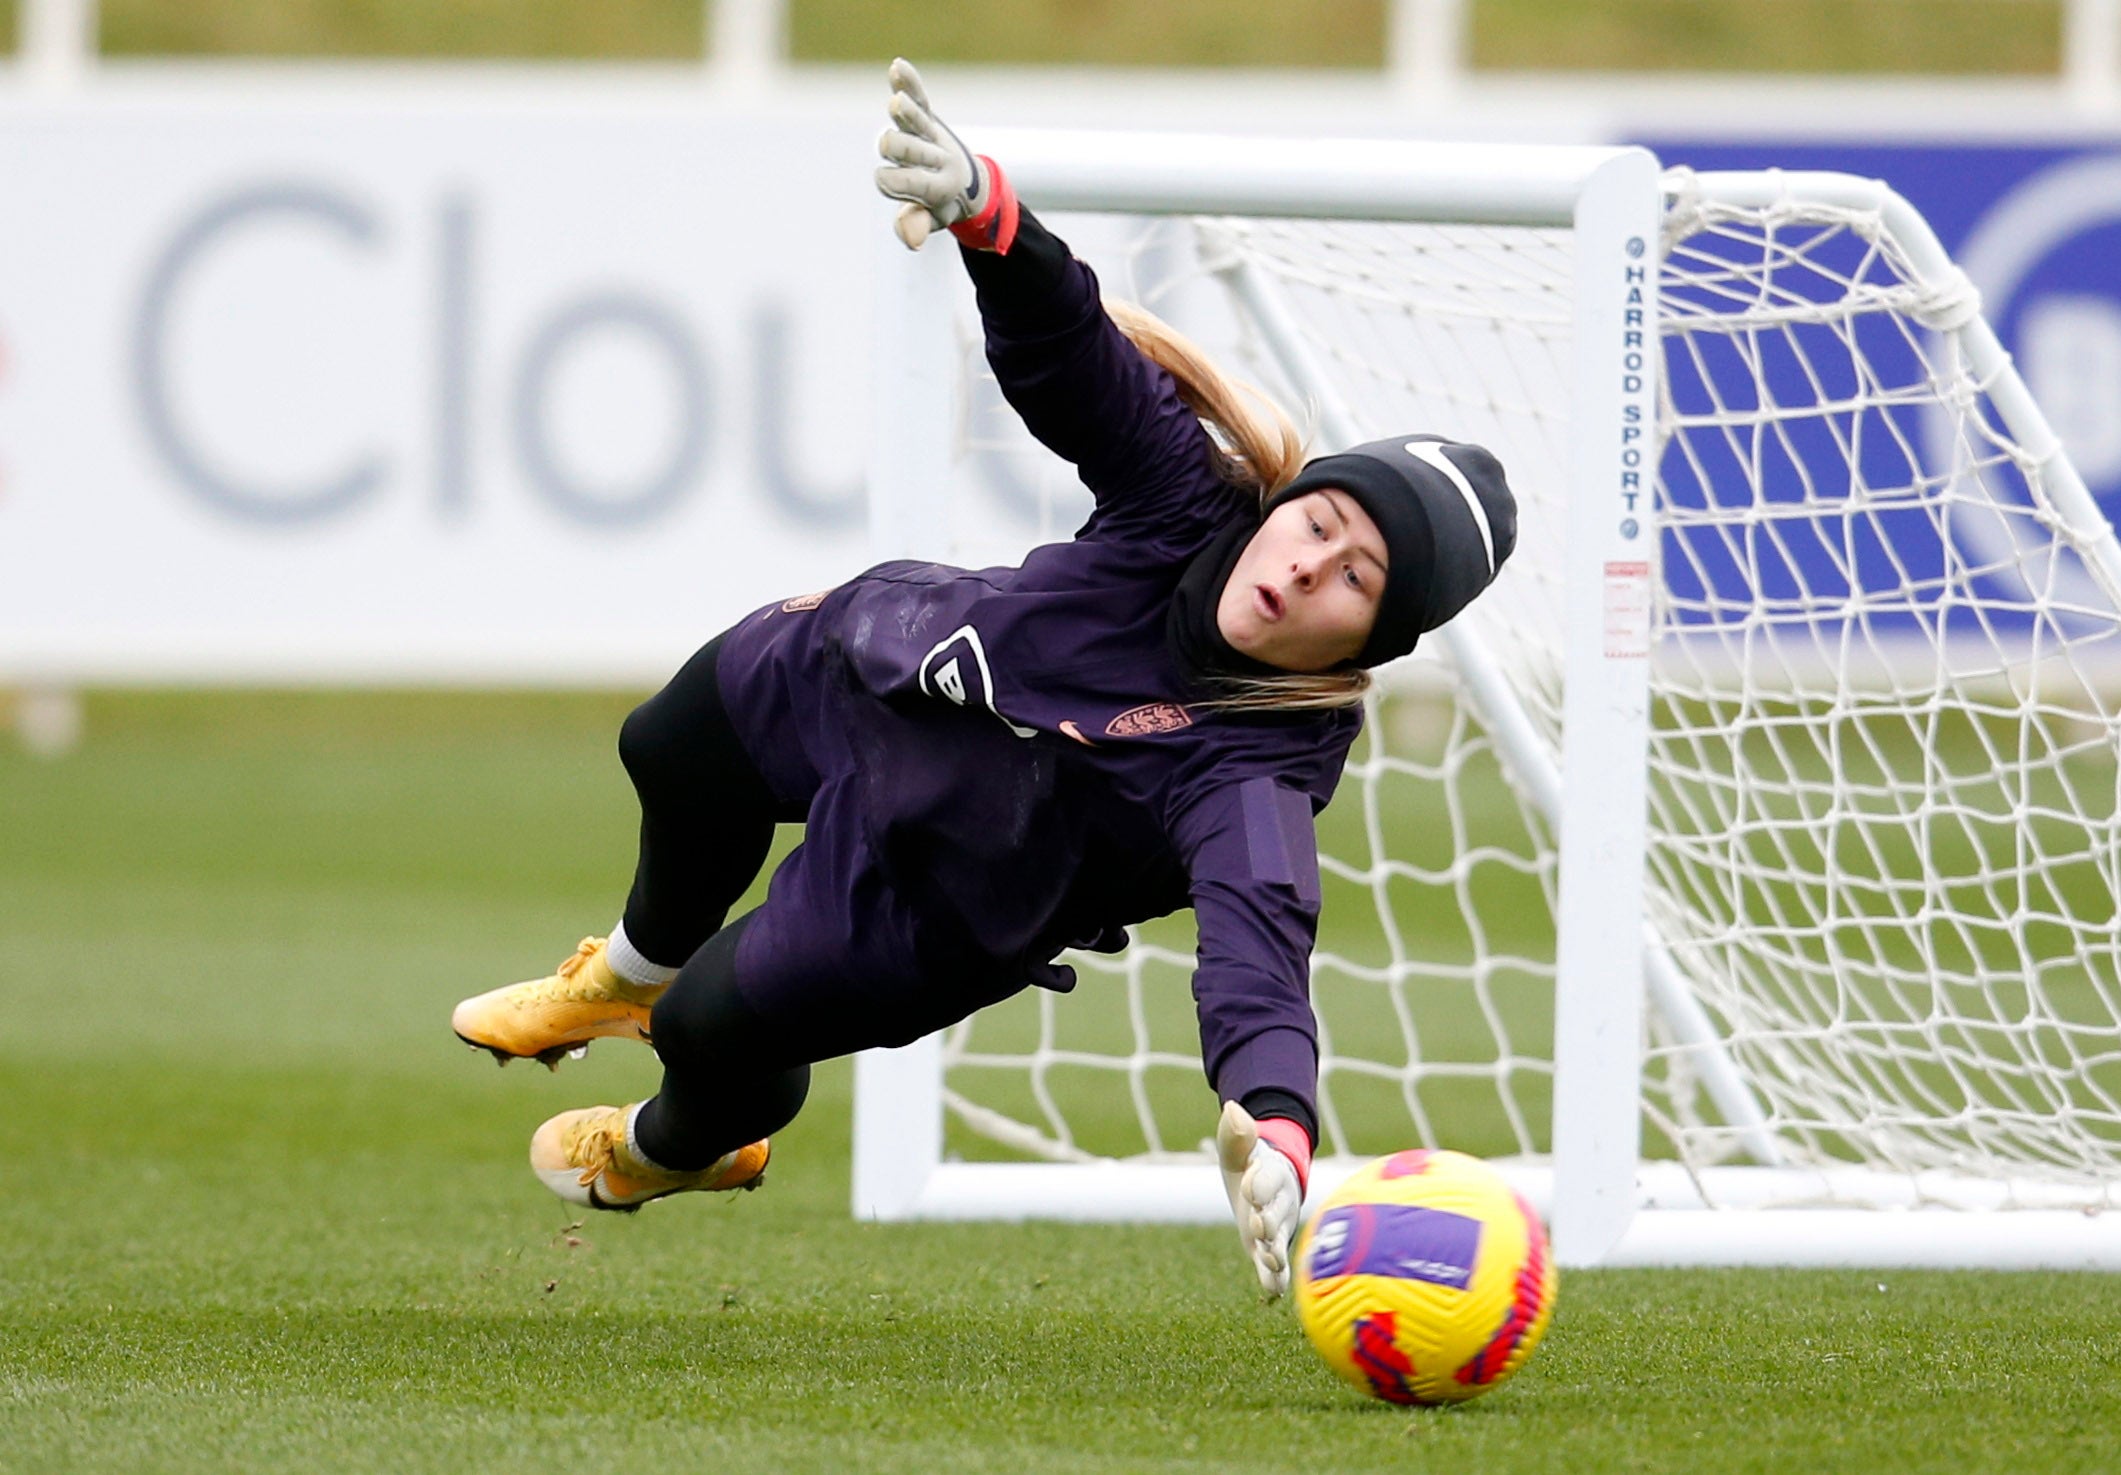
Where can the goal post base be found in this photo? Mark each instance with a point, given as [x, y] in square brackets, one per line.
[1916, 1239]
[1169, 1191]
[1673, 1228]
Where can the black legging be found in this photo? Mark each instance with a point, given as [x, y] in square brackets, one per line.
[707, 822]
[729, 1076]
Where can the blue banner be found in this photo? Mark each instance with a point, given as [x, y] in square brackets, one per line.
[2038, 230]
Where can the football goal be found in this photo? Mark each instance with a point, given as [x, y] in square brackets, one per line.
[1739, 873]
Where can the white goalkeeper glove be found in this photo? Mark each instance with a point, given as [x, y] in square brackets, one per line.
[1264, 1164]
[943, 183]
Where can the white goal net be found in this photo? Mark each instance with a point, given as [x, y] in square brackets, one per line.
[1883, 838]
[1881, 860]
[1433, 979]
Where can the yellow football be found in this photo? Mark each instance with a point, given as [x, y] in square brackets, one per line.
[1425, 1278]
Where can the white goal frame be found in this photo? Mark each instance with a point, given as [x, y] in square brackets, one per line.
[1605, 1205]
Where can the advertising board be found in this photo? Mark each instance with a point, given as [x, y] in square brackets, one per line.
[418, 392]
[417, 385]
[2037, 230]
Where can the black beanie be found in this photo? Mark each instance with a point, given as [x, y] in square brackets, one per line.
[1448, 521]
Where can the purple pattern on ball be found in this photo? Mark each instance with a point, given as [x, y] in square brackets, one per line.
[1398, 1240]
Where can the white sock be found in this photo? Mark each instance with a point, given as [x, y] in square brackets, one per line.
[624, 959]
[633, 1143]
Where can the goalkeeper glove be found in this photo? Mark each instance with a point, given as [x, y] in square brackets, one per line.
[1264, 1165]
[943, 183]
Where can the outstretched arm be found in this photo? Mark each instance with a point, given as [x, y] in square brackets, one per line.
[1081, 386]
[1253, 859]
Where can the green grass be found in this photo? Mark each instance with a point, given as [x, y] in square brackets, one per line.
[608, 30]
[1847, 36]
[1993, 37]
[262, 1212]
[1324, 33]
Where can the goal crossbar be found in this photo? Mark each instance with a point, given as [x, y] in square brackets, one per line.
[1348, 179]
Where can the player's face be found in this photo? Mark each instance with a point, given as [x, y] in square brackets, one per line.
[1305, 590]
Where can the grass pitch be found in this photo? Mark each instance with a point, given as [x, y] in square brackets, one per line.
[263, 1211]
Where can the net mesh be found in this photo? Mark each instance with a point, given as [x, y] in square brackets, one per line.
[1883, 808]
[1883, 851]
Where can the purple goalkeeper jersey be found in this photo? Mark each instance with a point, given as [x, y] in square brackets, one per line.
[1016, 756]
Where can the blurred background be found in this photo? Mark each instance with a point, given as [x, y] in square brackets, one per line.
[334, 336]
[1942, 37]
[391, 394]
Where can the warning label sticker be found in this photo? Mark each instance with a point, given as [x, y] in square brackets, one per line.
[1627, 611]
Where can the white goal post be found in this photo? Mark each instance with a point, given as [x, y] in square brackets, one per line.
[1823, 969]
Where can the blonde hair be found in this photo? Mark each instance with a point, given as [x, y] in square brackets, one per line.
[1258, 451]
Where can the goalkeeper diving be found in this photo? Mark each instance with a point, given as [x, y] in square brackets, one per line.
[996, 766]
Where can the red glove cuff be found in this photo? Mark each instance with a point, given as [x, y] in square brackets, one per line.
[1292, 1142]
[994, 228]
